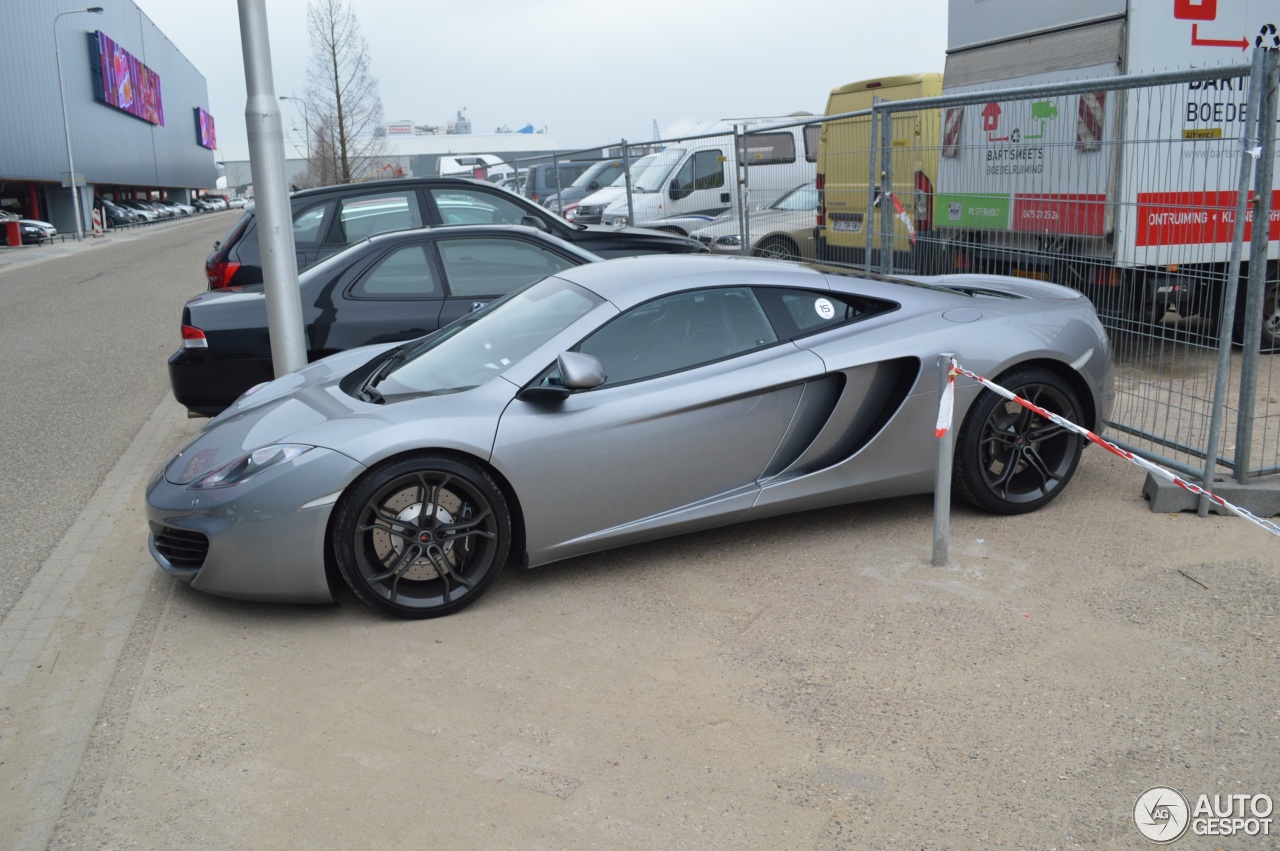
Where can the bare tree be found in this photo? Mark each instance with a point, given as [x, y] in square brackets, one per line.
[346, 136]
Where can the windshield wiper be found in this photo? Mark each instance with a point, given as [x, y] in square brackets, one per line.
[368, 391]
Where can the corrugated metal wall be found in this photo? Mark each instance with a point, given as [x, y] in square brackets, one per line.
[110, 146]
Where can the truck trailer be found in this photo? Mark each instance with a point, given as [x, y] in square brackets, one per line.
[1128, 195]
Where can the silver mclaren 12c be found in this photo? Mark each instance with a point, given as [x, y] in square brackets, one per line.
[619, 402]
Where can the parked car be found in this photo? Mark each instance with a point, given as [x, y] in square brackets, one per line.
[33, 231]
[183, 209]
[619, 402]
[237, 203]
[590, 210]
[146, 211]
[783, 230]
[601, 174]
[545, 179]
[328, 219]
[115, 215]
[389, 287]
[214, 202]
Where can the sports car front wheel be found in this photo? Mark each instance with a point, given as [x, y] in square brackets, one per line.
[423, 536]
[1011, 460]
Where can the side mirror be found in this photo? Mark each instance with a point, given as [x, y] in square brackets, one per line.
[593, 185]
[534, 222]
[577, 372]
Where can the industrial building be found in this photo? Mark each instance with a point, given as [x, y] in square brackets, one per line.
[135, 122]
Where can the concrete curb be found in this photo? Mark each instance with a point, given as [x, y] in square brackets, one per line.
[61, 642]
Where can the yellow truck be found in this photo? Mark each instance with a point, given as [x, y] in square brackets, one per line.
[845, 171]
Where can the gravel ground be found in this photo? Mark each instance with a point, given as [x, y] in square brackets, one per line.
[809, 682]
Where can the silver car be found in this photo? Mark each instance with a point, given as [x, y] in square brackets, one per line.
[783, 230]
[619, 402]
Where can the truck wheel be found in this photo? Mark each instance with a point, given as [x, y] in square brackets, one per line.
[1269, 330]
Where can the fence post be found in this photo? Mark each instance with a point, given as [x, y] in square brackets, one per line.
[742, 187]
[873, 139]
[942, 475]
[1227, 317]
[886, 190]
[1257, 264]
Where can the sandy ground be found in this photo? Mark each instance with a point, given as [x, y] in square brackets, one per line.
[810, 682]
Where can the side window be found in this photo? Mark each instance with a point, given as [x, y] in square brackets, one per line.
[703, 170]
[796, 313]
[811, 134]
[465, 206]
[767, 148]
[362, 216]
[404, 272]
[309, 225]
[679, 332]
[495, 266]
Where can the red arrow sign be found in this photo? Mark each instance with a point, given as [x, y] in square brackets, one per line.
[1243, 43]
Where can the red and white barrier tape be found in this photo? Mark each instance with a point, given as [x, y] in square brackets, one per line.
[947, 404]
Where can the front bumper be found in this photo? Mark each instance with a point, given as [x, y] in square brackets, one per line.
[264, 539]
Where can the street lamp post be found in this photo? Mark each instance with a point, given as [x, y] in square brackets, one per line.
[306, 124]
[66, 124]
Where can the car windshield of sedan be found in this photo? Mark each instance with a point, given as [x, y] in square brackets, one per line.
[484, 344]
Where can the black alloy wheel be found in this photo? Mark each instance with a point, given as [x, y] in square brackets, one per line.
[1011, 460]
[422, 537]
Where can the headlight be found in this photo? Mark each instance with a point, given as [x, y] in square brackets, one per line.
[620, 222]
[247, 466]
[732, 239]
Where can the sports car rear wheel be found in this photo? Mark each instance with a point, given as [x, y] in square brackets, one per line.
[1010, 460]
[422, 537]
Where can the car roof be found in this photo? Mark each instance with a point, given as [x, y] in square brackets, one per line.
[627, 281]
[389, 183]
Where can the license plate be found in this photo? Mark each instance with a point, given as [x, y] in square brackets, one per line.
[845, 226]
[1029, 273]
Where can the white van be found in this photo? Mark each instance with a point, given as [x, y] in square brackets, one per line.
[701, 179]
[480, 166]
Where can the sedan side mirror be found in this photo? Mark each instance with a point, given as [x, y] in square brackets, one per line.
[577, 372]
[534, 222]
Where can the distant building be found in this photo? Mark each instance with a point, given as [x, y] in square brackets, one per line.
[137, 111]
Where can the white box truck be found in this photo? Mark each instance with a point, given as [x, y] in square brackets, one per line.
[1126, 195]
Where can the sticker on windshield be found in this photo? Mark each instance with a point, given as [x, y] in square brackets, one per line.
[825, 308]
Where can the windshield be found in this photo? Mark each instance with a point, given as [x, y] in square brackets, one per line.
[484, 344]
[802, 198]
[637, 168]
[658, 170]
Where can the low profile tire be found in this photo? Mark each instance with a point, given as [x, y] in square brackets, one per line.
[776, 248]
[423, 536]
[1010, 460]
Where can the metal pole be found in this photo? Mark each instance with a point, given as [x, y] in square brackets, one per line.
[886, 190]
[626, 173]
[1257, 265]
[66, 123]
[271, 193]
[942, 475]
[1226, 322]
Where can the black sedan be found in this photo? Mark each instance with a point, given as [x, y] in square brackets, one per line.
[327, 219]
[389, 287]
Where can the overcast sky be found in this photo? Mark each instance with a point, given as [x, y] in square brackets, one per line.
[589, 72]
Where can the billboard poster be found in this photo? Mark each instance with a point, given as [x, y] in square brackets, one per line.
[122, 81]
[205, 136]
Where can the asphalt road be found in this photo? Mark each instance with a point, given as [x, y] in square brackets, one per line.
[84, 335]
